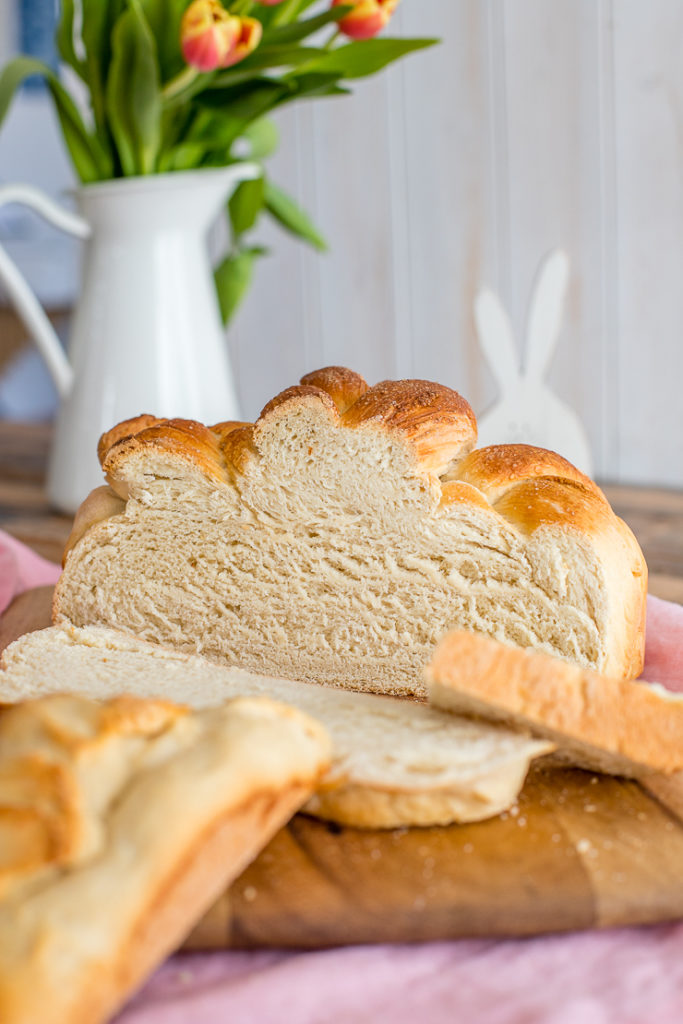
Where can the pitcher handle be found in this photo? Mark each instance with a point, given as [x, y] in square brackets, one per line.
[24, 300]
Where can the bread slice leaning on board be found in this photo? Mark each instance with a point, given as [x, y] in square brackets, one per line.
[120, 823]
[338, 537]
[394, 762]
[618, 726]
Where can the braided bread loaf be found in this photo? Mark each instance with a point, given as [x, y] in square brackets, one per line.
[337, 538]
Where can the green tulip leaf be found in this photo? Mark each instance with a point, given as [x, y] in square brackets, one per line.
[98, 21]
[133, 93]
[278, 57]
[245, 101]
[90, 160]
[280, 14]
[185, 156]
[245, 205]
[314, 83]
[291, 217]
[64, 38]
[366, 57]
[164, 18]
[262, 137]
[233, 277]
[298, 30]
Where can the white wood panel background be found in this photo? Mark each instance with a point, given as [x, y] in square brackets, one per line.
[533, 125]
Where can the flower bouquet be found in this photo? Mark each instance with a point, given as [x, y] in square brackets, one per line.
[157, 86]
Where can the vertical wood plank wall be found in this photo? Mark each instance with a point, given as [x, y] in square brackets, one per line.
[533, 125]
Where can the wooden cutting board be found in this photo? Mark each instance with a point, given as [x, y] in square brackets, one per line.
[579, 851]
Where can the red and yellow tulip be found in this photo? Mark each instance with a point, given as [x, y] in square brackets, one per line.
[367, 18]
[211, 37]
[250, 33]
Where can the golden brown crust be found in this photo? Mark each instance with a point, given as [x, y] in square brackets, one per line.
[222, 430]
[238, 447]
[343, 386]
[435, 421]
[101, 504]
[188, 440]
[127, 428]
[497, 468]
[298, 395]
[546, 502]
[457, 492]
[624, 718]
[531, 504]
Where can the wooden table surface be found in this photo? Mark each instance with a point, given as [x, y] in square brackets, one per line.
[654, 515]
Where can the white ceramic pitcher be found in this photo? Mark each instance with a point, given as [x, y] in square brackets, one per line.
[146, 333]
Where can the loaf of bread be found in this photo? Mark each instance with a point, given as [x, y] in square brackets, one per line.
[394, 762]
[120, 823]
[618, 726]
[337, 538]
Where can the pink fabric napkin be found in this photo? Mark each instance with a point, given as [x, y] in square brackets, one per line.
[21, 569]
[630, 975]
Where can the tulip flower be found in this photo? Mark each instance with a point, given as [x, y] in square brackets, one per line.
[208, 33]
[367, 18]
[250, 32]
[211, 37]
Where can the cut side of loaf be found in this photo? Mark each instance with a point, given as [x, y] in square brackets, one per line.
[338, 537]
[618, 726]
[394, 762]
[120, 823]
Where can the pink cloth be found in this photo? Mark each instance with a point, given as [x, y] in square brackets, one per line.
[21, 569]
[630, 975]
[664, 644]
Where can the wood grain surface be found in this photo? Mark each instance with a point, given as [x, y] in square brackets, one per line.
[578, 851]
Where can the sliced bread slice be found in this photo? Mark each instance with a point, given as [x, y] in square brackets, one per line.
[618, 726]
[395, 762]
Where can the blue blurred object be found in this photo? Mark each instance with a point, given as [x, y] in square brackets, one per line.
[37, 23]
[26, 389]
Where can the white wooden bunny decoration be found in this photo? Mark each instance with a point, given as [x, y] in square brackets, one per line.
[526, 410]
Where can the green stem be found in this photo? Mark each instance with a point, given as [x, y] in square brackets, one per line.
[181, 81]
[241, 7]
[283, 13]
[332, 40]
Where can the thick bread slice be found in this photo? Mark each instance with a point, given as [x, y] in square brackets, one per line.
[338, 537]
[618, 726]
[120, 823]
[395, 762]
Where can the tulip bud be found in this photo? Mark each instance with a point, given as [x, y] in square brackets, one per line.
[367, 18]
[208, 34]
[250, 32]
[211, 37]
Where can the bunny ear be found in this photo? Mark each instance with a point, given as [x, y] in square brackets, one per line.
[545, 313]
[496, 339]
